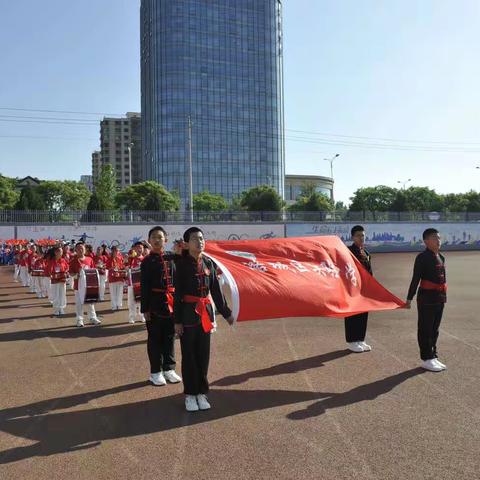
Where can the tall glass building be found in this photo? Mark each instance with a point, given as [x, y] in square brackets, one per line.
[219, 63]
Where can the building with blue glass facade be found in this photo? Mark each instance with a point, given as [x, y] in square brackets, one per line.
[218, 62]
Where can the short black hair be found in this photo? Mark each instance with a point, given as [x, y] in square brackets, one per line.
[428, 232]
[189, 231]
[158, 228]
[357, 228]
[138, 243]
[79, 243]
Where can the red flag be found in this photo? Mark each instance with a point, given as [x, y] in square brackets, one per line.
[297, 277]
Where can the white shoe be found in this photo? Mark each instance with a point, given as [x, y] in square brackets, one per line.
[80, 322]
[62, 311]
[94, 321]
[141, 318]
[355, 347]
[431, 365]
[439, 363]
[131, 320]
[172, 376]
[365, 346]
[203, 402]
[158, 379]
[191, 404]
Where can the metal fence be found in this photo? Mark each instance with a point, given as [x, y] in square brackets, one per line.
[16, 217]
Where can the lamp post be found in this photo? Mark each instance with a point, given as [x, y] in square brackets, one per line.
[330, 160]
[404, 182]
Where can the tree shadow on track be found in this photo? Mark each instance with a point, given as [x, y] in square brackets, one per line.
[294, 366]
[103, 349]
[61, 432]
[71, 332]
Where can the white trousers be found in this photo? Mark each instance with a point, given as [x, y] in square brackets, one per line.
[37, 285]
[45, 287]
[59, 296]
[70, 282]
[16, 272]
[79, 307]
[24, 276]
[116, 294]
[101, 287]
[134, 312]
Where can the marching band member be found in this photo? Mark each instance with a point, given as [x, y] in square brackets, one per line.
[157, 271]
[24, 277]
[101, 259]
[16, 257]
[67, 255]
[57, 268]
[38, 266]
[116, 278]
[44, 279]
[78, 262]
[134, 262]
[195, 279]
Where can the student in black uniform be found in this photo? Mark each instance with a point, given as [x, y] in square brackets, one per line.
[429, 272]
[195, 279]
[157, 271]
[356, 325]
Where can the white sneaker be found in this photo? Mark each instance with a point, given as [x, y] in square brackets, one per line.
[80, 322]
[62, 311]
[191, 404]
[172, 376]
[203, 402]
[438, 362]
[365, 346]
[131, 320]
[157, 379]
[355, 347]
[95, 321]
[431, 365]
[141, 318]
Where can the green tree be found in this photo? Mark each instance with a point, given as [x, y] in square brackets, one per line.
[8, 195]
[373, 199]
[455, 202]
[30, 199]
[149, 196]
[106, 188]
[310, 200]
[473, 201]
[422, 199]
[263, 198]
[209, 202]
[64, 195]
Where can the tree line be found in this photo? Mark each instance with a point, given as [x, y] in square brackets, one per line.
[57, 196]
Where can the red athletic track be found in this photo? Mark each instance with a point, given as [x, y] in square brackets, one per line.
[288, 401]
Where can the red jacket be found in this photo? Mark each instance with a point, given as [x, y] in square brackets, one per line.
[116, 269]
[101, 263]
[58, 270]
[76, 265]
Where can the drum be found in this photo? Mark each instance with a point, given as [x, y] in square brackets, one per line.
[37, 273]
[88, 285]
[119, 274]
[60, 276]
[135, 275]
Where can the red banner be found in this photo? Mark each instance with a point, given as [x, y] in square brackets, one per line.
[297, 277]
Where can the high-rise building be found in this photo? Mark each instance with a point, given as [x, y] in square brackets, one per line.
[219, 64]
[87, 180]
[121, 147]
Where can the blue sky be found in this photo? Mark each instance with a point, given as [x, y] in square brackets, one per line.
[394, 69]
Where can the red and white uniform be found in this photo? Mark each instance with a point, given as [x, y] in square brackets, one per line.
[76, 265]
[58, 272]
[116, 280]
[101, 264]
[134, 312]
[24, 275]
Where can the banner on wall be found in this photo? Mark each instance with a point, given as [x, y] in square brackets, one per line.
[123, 236]
[396, 237]
[297, 277]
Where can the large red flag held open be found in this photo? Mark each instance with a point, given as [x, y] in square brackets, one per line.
[297, 277]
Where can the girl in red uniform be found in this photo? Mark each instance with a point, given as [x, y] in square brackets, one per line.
[134, 261]
[58, 271]
[116, 278]
[101, 259]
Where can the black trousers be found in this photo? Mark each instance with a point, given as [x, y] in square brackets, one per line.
[161, 343]
[429, 318]
[356, 327]
[195, 345]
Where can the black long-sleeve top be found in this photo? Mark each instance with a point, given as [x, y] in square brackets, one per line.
[428, 266]
[157, 273]
[362, 256]
[198, 279]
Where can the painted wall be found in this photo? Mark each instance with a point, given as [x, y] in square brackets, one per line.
[7, 233]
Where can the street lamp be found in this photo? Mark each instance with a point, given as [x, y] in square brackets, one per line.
[130, 146]
[404, 182]
[330, 160]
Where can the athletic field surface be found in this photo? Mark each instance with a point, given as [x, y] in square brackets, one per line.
[288, 400]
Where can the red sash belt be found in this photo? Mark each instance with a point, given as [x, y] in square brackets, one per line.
[201, 309]
[169, 294]
[428, 285]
